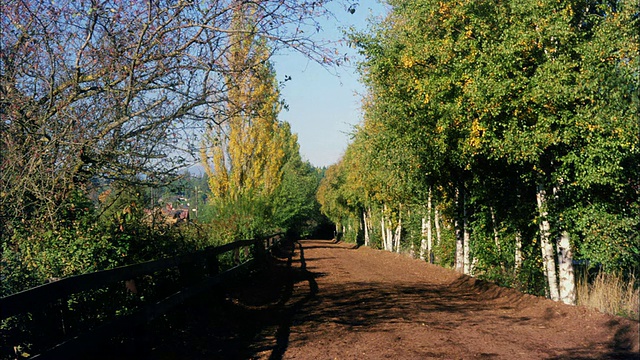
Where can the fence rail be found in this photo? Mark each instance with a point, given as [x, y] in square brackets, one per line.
[198, 271]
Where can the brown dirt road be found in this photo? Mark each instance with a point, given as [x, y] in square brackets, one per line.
[332, 301]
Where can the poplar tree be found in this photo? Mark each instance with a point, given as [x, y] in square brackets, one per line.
[245, 154]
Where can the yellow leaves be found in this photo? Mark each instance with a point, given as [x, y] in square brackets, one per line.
[102, 198]
[445, 8]
[246, 154]
[407, 61]
[593, 127]
[426, 98]
[475, 137]
[468, 33]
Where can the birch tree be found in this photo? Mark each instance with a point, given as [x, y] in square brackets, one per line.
[536, 123]
[517, 89]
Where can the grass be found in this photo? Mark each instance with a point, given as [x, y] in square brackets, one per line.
[610, 294]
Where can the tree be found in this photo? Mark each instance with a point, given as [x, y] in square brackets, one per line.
[246, 151]
[495, 103]
[537, 123]
[104, 95]
[102, 89]
[252, 160]
[294, 203]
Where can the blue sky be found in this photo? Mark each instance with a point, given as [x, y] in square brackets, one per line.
[324, 106]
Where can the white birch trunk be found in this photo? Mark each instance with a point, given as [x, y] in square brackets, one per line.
[466, 239]
[382, 232]
[429, 230]
[365, 222]
[459, 235]
[398, 233]
[368, 227]
[387, 235]
[390, 239]
[459, 247]
[565, 267]
[436, 221]
[496, 238]
[423, 241]
[518, 254]
[548, 256]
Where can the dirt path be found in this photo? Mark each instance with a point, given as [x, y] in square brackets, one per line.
[332, 301]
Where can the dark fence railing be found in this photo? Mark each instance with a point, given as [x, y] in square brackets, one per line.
[194, 273]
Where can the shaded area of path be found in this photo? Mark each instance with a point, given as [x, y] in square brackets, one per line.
[322, 300]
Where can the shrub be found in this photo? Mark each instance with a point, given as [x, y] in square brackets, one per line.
[612, 294]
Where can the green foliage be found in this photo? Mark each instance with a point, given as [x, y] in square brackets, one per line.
[87, 238]
[29, 260]
[244, 218]
[291, 208]
[78, 244]
[492, 100]
[445, 252]
[295, 208]
[607, 238]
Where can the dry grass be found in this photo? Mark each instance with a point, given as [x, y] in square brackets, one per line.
[610, 294]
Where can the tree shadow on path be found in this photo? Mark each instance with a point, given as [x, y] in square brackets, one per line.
[288, 312]
[253, 318]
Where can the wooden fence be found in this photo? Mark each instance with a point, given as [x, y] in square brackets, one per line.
[197, 272]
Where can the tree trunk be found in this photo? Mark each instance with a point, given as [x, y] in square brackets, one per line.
[429, 230]
[398, 233]
[436, 220]
[565, 267]
[518, 254]
[458, 223]
[387, 236]
[384, 232]
[423, 241]
[494, 224]
[389, 246]
[548, 256]
[426, 246]
[467, 237]
[370, 223]
[365, 220]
